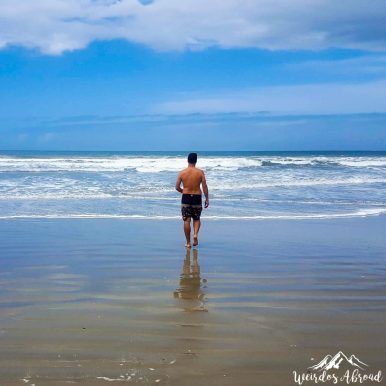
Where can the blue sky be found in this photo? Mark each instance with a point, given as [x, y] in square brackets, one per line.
[176, 75]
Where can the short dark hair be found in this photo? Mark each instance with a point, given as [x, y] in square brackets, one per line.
[192, 158]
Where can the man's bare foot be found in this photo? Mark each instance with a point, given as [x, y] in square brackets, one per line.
[195, 241]
[187, 245]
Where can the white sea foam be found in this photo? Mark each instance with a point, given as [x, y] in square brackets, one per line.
[294, 182]
[64, 188]
[359, 213]
[114, 379]
[363, 162]
[152, 164]
[79, 196]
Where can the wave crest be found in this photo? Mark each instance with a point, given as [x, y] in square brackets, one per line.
[152, 164]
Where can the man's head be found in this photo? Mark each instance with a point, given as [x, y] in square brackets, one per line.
[192, 158]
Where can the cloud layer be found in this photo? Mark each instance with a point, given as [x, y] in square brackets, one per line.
[55, 26]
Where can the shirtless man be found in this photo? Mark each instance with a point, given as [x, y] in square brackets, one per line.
[191, 203]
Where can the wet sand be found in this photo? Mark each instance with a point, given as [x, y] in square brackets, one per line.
[97, 301]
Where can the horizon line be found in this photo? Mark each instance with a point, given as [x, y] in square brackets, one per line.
[198, 151]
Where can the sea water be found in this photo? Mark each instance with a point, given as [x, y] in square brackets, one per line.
[242, 185]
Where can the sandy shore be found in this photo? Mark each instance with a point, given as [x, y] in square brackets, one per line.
[102, 301]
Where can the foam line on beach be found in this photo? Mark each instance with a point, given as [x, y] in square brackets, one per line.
[219, 198]
[359, 213]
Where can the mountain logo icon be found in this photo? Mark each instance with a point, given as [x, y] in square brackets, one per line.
[334, 362]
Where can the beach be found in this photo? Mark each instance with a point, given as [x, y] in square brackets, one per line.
[123, 124]
[105, 301]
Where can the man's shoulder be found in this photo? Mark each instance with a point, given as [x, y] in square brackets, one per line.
[194, 171]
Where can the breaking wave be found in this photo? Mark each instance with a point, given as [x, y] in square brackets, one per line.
[151, 164]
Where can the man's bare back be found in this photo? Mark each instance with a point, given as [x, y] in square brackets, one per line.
[191, 178]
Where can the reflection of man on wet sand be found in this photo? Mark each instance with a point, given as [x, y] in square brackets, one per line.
[191, 202]
[190, 284]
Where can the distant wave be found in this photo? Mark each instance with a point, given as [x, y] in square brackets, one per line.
[296, 182]
[151, 164]
[300, 163]
[358, 213]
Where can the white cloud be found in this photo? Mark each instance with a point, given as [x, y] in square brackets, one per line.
[54, 26]
[329, 98]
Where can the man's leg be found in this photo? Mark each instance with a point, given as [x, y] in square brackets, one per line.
[196, 226]
[187, 231]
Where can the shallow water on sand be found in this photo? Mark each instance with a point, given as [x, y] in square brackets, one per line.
[100, 301]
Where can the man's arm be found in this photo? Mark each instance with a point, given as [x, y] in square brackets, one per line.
[205, 189]
[178, 183]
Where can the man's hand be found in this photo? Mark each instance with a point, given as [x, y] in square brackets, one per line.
[178, 183]
[205, 189]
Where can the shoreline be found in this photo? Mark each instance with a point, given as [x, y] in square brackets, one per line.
[365, 213]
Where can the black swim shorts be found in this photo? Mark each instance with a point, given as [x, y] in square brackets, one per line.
[191, 206]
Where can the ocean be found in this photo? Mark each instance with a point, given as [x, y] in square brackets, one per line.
[242, 185]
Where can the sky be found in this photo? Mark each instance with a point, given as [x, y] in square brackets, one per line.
[188, 74]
